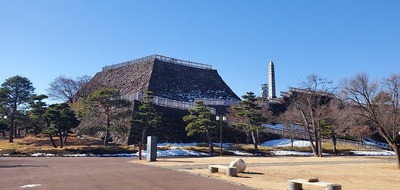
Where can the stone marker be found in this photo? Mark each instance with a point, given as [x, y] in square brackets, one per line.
[151, 148]
[239, 164]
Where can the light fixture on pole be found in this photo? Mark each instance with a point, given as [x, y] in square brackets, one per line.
[220, 119]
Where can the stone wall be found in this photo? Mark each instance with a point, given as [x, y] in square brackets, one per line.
[128, 79]
[166, 80]
[184, 83]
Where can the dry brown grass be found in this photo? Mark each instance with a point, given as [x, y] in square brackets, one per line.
[271, 173]
[31, 143]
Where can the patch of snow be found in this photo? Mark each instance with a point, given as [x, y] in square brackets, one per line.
[275, 126]
[224, 145]
[176, 144]
[169, 153]
[180, 145]
[241, 153]
[30, 185]
[291, 153]
[373, 153]
[372, 142]
[42, 155]
[286, 142]
[77, 155]
[280, 126]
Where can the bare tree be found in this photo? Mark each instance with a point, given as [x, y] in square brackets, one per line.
[290, 120]
[379, 104]
[309, 102]
[337, 121]
[360, 132]
[66, 89]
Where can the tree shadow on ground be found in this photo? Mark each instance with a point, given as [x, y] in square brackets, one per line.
[253, 173]
[178, 161]
[249, 173]
[21, 166]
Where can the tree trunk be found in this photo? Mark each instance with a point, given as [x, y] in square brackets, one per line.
[140, 150]
[319, 135]
[108, 124]
[15, 131]
[253, 136]
[334, 142]
[396, 149]
[247, 138]
[210, 144]
[316, 153]
[313, 148]
[313, 124]
[131, 134]
[144, 133]
[52, 141]
[66, 136]
[309, 134]
[107, 136]
[61, 137]
[36, 129]
[291, 141]
[4, 133]
[26, 130]
[11, 140]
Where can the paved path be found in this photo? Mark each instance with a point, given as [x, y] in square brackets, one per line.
[96, 173]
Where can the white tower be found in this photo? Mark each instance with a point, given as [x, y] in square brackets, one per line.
[271, 81]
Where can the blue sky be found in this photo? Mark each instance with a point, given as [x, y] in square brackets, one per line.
[334, 39]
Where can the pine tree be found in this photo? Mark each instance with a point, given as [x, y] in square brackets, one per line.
[62, 119]
[36, 113]
[199, 122]
[106, 104]
[15, 92]
[146, 116]
[251, 116]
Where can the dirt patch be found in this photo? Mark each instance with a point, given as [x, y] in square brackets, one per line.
[271, 173]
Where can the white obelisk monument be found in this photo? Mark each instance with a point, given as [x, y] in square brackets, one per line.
[271, 81]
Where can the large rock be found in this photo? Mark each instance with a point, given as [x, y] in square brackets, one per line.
[239, 164]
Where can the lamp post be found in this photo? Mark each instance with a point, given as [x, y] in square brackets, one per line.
[220, 119]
